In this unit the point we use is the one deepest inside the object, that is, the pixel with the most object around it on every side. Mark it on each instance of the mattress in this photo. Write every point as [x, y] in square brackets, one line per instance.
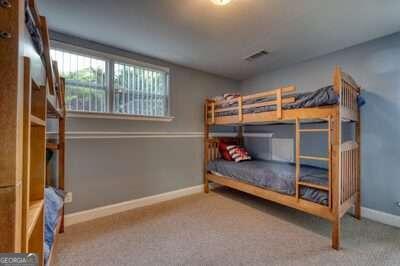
[276, 176]
[320, 97]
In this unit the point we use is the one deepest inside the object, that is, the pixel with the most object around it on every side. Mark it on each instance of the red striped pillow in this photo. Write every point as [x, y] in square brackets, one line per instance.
[222, 146]
[238, 154]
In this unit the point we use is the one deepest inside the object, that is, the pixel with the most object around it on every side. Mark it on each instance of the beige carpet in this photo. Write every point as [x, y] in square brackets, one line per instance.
[224, 227]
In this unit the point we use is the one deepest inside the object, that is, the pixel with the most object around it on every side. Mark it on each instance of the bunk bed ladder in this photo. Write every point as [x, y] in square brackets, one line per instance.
[299, 157]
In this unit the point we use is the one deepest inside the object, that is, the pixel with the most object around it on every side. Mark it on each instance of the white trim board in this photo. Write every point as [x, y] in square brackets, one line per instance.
[75, 114]
[84, 216]
[155, 134]
[126, 134]
[88, 215]
[381, 217]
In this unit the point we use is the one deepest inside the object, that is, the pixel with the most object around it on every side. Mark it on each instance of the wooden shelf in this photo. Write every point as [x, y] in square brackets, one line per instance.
[52, 146]
[37, 121]
[35, 209]
[52, 109]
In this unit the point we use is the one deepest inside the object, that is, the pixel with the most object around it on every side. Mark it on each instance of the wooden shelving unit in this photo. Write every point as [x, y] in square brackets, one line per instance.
[31, 91]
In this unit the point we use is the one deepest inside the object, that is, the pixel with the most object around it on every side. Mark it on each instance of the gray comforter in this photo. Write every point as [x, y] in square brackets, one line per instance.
[276, 176]
[321, 97]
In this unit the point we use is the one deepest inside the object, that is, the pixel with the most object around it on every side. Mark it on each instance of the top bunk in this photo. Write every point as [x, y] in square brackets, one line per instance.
[44, 70]
[284, 105]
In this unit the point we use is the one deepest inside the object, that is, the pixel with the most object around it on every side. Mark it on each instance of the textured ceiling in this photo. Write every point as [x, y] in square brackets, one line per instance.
[216, 39]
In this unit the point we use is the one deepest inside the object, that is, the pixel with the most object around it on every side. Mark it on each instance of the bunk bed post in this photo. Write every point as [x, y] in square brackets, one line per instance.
[212, 113]
[205, 160]
[240, 135]
[297, 156]
[330, 161]
[357, 203]
[240, 108]
[61, 151]
[335, 161]
[336, 186]
[26, 154]
[279, 103]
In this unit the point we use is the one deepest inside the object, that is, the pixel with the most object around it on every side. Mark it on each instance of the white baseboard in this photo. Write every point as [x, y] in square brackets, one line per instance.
[83, 216]
[381, 217]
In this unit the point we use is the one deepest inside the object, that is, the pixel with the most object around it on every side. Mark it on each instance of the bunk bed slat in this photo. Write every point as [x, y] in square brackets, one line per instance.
[315, 130]
[220, 110]
[314, 158]
[52, 146]
[212, 113]
[279, 103]
[240, 108]
[289, 89]
[266, 103]
[306, 184]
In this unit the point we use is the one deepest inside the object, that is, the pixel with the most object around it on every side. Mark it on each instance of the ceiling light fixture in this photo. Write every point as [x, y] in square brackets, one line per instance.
[221, 2]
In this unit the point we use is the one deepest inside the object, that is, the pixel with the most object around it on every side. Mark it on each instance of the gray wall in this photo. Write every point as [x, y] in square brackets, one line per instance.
[106, 171]
[376, 67]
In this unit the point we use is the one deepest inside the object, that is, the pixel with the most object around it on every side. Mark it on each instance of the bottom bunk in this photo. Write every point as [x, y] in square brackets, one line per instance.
[54, 203]
[284, 199]
[276, 176]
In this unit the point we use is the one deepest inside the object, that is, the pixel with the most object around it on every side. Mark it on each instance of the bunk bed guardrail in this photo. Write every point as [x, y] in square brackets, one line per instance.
[348, 90]
[276, 97]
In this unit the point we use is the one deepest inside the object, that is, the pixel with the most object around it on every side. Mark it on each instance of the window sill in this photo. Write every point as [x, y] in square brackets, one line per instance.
[72, 114]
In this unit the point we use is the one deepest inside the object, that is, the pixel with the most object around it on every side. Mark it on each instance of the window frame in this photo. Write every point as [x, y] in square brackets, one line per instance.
[110, 60]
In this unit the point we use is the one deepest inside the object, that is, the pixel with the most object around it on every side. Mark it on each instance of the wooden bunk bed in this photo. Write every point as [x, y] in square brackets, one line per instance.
[343, 160]
[35, 94]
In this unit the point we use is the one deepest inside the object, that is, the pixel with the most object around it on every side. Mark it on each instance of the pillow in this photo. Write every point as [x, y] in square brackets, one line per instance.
[230, 96]
[222, 147]
[238, 154]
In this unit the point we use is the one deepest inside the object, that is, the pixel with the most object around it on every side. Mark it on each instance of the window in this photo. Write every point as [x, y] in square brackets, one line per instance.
[97, 83]
[85, 81]
[139, 90]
